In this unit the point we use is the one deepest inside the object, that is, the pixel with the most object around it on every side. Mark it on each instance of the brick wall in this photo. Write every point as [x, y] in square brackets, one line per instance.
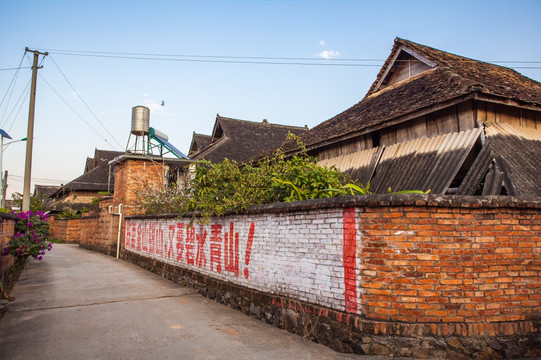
[68, 230]
[9, 266]
[434, 264]
[402, 275]
[290, 254]
[132, 174]
[100, 230]
[96, 230]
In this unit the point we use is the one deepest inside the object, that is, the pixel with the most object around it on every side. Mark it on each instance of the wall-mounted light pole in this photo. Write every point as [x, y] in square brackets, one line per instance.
[3, 135]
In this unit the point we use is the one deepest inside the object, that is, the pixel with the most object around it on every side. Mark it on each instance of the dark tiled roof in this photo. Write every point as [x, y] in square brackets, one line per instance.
[90, 164]
[96, 178]
[199, 142]
[453, 77]
[102, 157]
[241, 140]
[45, 190]
[93, 180]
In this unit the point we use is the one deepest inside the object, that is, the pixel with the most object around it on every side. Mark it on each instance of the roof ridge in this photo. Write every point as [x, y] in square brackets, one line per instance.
[443, 59]
[210, 146]
[422, 46]
[251, 122]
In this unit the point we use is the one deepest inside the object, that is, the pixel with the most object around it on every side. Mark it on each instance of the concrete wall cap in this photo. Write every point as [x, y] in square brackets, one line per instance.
[386, 200]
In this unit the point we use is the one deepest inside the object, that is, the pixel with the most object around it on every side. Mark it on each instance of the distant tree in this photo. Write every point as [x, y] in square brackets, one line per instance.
[37, 203]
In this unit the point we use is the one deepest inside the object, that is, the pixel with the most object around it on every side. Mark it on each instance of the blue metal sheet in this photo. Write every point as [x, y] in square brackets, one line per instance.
[169, 146]
[4, 134]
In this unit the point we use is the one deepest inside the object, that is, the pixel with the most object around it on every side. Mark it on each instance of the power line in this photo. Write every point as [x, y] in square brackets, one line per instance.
[34, 179]
[12, 87]
[39, 179]
[25, 93]
[88, 107]
[223, 61]
[72, 108]
[130, 54]
[17, 68]
[265, 60]
[22, 97]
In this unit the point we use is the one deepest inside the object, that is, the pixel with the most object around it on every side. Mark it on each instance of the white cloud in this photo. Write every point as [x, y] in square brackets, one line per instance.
[327, 54]
[156, 108]
[152, 104]
[322, 43]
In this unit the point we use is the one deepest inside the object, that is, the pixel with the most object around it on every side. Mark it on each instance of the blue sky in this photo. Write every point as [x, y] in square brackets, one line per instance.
[194, 92]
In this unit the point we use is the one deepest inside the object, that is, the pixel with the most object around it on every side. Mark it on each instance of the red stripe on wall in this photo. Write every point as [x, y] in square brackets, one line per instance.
[350, 250]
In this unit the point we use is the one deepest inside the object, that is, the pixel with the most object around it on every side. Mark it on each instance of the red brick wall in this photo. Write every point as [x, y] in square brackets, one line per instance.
[132, 174]
[452, 277]
[96, 230]
[466, 269]
[68, 230]
[100, 230]
[58, 227]
[7, 230]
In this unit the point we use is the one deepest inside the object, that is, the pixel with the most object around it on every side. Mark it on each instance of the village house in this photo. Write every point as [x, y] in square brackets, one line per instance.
[98, 177]
[437, 121]
[239, 140]
[199, 142]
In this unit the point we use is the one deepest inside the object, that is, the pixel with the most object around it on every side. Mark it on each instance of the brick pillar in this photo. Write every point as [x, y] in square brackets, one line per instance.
[130, 176]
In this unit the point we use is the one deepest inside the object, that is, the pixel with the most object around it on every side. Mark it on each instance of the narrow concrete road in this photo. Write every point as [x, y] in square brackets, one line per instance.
[77, 304]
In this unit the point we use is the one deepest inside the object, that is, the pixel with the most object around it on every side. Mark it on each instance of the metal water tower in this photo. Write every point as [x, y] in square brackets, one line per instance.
[140, 119]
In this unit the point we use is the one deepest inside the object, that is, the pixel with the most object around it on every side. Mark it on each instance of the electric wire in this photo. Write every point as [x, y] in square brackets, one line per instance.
[12, 87]
[65, 52]
[130, 54]
[17, 68]
[72, 108]
[84, 102]
[56, 181]
[263, 60]
[222, 61]
[21, 99]
[25, 93]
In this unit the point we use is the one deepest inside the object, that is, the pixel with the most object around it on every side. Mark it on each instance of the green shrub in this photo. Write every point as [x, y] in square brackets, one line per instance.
[214, 189]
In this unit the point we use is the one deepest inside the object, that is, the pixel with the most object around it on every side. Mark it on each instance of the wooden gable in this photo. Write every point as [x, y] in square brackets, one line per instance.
[199, 142]
[405, 64]
[218, 131]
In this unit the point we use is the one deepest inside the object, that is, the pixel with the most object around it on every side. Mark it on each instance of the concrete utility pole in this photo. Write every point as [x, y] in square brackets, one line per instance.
[4, 188]
[30, 133]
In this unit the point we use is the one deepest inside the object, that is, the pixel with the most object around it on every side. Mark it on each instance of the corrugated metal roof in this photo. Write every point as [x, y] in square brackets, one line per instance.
[360, 165]
[350, 161]
[510, 159]
[471, 182]
[420, 164]
[493, 128]
[451, 154]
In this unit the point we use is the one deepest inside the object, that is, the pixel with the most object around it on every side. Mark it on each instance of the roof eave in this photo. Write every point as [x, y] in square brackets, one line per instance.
[499, 99]
[390, 122]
